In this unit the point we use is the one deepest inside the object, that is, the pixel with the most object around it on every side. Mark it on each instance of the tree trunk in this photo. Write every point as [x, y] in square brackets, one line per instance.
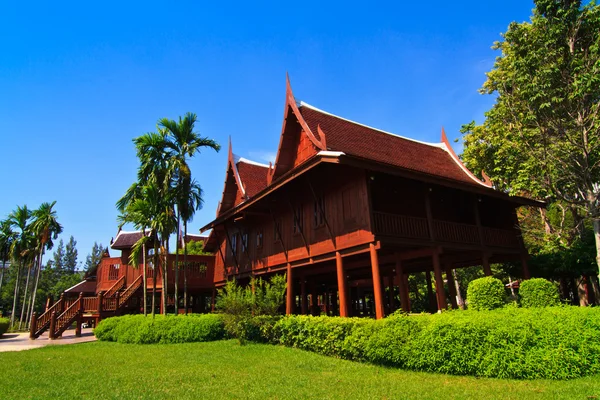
[544, 217]
[185, 287]
[15, 297]
[155, 256]
[582, 291]
[164, 268]
[177, 263]
[596, 223]
[24, 298]
[459, 298]
[144, 277]
[2, 274]
[37, 279]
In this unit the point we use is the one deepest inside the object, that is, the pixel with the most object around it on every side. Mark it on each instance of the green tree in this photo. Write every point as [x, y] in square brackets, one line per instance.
[542, 136]
[7, 236]
[70, 260]
[20, 251]
[58, 257]
[93, 259]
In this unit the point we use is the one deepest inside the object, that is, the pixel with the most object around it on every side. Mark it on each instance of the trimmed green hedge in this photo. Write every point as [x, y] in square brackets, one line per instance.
[486, 294]
[4, 324]
[550, 343]
[538, 292]
[161, 329]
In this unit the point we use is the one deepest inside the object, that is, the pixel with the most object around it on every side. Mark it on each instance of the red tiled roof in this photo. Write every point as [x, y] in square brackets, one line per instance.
[126, 240]
[253, 176]
[361, 141]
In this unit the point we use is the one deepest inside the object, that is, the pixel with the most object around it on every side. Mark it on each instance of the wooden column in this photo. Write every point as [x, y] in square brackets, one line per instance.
[378, 294]
[289, 304]
[430, 295]
[52, 328]
[451, 287]
[303, 297]
[439, 283]
[100, 301]
[486, 264]
[326, 302]
[525, 267]
[79, 320]
[33, 326]
[391, 292]
[403, 286]
[342, 286]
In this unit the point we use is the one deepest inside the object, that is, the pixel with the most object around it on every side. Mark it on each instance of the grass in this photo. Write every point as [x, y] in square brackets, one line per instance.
[226, 370]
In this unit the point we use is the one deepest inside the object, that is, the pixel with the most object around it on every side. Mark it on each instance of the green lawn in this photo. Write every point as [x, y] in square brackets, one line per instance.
[227, 370]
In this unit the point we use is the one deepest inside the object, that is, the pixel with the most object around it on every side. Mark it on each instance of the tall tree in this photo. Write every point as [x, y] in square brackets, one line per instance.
[93, 259]
[7, 236]
[21, 246]
[46, 228]
[184, 143]
[542, 136]
[70, 261]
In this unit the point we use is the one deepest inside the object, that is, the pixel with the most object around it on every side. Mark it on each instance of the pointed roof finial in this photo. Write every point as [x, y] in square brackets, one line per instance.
[444, 137]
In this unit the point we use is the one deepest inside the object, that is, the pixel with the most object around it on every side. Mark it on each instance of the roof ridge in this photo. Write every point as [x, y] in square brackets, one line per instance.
[437, 145]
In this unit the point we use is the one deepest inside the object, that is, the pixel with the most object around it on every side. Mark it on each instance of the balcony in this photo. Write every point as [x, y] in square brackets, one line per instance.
[449, 232]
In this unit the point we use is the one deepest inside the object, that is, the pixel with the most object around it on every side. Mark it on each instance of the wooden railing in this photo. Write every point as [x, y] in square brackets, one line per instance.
[400, 225]
[41, 323]
[59, 324]
[116, 287]
[109, 304]
[127, 293]
[501, 237]
[443, 231]
[90, 304]
[454, 232]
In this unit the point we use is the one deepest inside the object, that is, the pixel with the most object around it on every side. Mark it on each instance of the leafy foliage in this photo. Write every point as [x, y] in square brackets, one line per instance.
[140, 329]
[240, 304]
[538, 292]
[4, 324]
[533, 343]
[486, 294]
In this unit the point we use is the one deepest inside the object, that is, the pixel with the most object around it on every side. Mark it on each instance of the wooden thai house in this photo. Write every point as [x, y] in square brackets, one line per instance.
[115, 287]
[348, 212]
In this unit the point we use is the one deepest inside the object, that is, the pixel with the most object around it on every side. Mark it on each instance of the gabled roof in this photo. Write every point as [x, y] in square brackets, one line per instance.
[358, 140]
[86, 286]
[126, 240]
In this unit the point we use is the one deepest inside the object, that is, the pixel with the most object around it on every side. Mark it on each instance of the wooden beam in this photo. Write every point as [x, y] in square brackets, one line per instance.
[289, 304]
[341, 283]
[485, 259]
[378, 294]
[430, 295]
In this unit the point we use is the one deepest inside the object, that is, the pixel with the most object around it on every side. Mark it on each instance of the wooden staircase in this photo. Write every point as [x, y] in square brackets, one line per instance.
[61, 315]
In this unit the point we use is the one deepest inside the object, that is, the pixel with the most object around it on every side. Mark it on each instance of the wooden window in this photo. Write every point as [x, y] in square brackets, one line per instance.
[259, 239]
[234, 244]
[298, 222]
[276, 229]
[319, 212]
[113, 272]
[244, 242]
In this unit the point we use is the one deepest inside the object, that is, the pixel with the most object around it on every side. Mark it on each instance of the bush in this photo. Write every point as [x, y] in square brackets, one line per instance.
[551, 343]
[486, 294]
[4, 324]
[538, 292]
[161, 329]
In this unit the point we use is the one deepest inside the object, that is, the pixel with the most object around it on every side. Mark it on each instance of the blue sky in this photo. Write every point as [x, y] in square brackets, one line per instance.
[78, 81]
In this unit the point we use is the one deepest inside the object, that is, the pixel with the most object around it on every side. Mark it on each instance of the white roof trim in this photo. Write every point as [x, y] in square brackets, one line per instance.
[460, 164]
[197, 235]
[245, 160]
[331, 153]
[66, 290]
[237, 176]
[439, 145]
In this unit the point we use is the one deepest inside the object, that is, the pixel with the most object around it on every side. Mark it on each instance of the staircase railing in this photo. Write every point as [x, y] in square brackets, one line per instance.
[116, 287]
[127, 293]
[40, 324]
[59, 324]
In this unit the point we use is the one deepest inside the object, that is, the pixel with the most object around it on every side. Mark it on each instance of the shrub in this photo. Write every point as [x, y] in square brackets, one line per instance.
[538, 292]
[552, 343]
[4, 324]
[486, 294]
[161, 329]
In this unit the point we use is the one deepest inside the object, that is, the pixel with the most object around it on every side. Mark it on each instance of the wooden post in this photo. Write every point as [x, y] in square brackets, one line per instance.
[391, 292]
[314, 303]
[402, 286]
[49, 302]
[117, 300]
[430, 295]
[52, 325]
[376, 282]
[79, 320]
[439, 283]
[486, 264]
[303, 296]
[33, 326]
[342, 286]
[525, 267]
[61, 308]
[100, 300]
[289, 304]
[451, 287]
[326, 302]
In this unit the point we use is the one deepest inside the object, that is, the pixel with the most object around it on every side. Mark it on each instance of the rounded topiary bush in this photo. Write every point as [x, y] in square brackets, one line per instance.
[4, 324]
[538, 292]
[486, 294]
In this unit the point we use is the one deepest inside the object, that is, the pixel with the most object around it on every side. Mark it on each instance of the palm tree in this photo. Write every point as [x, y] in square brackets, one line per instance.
[7, 236]
[46, 228]
[184, 142]
[186, 210]
[20, 247]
